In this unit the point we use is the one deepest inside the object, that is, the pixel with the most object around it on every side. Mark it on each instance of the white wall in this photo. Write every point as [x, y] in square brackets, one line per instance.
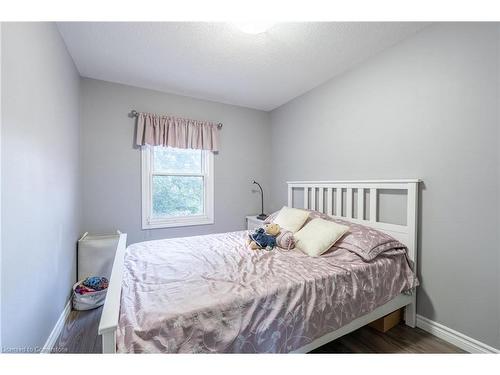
[111, 173]
[39, 178]
[426, 108]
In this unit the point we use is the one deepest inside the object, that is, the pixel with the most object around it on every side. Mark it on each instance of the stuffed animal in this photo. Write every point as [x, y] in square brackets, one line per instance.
[264, 237]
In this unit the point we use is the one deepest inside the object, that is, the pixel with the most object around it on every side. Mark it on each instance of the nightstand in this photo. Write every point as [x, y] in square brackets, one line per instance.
[253, 222]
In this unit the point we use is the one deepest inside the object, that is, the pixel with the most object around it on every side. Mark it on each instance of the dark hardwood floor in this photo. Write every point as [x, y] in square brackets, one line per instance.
[80, 336]
[400, 339]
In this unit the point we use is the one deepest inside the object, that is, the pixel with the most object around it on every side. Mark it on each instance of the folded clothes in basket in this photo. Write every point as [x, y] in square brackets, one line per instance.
[81, 289]
[91, 284]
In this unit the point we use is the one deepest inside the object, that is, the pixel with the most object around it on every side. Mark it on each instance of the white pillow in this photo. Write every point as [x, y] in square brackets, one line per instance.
[318, 236]
[291, 219]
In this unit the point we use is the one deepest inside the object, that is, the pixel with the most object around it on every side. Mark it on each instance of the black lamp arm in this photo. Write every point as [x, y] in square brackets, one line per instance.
[262, 215]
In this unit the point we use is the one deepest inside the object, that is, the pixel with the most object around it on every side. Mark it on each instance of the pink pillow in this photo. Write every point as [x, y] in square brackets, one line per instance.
[271, 217]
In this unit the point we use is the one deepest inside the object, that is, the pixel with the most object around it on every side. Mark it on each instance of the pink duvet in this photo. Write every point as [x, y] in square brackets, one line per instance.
[208, 294]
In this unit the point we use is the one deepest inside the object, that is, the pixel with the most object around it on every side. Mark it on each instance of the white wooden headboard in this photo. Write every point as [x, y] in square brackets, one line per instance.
[328, 197]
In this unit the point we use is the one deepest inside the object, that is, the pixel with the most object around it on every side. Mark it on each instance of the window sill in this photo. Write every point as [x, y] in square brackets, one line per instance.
[177, 222]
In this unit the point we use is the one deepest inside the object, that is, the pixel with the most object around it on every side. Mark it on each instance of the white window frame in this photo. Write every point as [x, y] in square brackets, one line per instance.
[148, 221]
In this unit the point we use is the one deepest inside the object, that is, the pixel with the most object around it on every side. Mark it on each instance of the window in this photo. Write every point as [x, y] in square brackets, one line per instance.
[177, 187]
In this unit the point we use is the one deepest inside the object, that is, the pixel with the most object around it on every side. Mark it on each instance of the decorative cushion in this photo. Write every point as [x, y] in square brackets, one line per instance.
[318, 236]
[285, 240]
[291, 219]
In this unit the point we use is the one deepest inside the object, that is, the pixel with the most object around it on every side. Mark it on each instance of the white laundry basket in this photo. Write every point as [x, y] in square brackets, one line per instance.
[96, 254]
[88, 301]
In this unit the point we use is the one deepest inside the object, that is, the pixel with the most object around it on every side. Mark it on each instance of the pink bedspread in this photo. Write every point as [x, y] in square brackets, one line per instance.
[212, 294]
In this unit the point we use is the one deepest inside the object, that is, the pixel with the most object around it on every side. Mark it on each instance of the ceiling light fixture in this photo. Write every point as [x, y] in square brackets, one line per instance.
[256, 27]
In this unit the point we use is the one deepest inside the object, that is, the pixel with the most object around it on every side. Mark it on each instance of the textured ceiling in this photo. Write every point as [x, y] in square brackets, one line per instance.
[216, 61]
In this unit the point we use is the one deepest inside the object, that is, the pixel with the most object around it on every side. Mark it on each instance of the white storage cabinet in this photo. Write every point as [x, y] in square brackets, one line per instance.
[96, 254]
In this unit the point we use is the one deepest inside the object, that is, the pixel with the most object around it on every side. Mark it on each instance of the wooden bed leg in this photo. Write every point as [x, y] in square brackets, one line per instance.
[411, 313]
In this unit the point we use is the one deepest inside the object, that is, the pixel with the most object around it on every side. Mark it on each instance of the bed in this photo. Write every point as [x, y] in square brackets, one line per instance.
[211, 294]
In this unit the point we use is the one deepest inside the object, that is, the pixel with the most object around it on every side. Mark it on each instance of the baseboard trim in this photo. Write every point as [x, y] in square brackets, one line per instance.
[56, 331]
[454, 337]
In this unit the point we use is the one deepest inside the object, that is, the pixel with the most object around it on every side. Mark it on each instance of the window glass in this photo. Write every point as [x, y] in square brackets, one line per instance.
[177, 196]
[177, 160]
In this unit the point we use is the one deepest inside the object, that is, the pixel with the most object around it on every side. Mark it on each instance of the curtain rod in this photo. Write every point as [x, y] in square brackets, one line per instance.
[133, 113]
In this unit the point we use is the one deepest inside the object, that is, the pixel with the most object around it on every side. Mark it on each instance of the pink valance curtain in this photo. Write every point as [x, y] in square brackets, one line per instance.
[168, 131]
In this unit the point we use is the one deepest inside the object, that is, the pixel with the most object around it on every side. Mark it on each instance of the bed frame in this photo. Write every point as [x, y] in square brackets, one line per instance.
[334, 198]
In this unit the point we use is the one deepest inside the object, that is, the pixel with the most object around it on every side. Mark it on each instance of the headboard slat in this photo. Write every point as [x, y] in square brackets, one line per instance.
[338, 202]
[321, 206]
[306, 197]
[361, 203]
[373, 205]
[349, 203]
[312, 206]
[329, 201]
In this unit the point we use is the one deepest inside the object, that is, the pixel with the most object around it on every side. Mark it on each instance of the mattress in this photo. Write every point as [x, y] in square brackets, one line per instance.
[211, 294]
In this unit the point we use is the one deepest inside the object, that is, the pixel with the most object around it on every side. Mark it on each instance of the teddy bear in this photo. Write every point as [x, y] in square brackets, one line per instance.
[264, 237]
